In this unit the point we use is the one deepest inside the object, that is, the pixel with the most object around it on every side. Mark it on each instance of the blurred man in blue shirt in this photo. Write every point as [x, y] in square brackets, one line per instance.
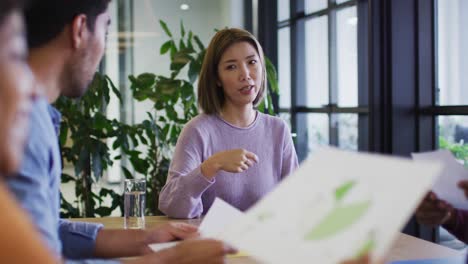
[67, 41]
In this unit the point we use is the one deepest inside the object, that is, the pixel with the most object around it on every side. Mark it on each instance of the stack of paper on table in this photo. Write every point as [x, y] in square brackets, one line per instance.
[446, 187]
[335, 206]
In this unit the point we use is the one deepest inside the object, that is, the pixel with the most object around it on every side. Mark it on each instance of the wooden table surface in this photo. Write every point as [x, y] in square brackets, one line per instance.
[405, 247]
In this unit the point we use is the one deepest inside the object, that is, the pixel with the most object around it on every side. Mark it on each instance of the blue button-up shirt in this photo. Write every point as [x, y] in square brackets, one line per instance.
[37, 188]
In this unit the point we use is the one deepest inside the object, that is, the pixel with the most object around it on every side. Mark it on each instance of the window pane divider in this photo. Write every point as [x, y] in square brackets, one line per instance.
[331, 110]
[445, 110]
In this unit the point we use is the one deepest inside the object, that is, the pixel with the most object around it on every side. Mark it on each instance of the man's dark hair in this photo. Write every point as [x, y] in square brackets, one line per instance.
[46, 19]
[8, 6]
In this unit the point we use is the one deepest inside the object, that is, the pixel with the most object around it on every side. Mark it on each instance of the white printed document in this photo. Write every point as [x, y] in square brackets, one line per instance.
[446, 186]
[219, 217]
[337, 205]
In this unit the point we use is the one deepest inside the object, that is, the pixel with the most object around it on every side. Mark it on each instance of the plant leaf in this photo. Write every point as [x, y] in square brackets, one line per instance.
[171, 113]
[114, 89]
[271, 75]
[182, 45]
[182, 29]
[165, 28]
[199, 43]
[165, 47]
[194, 70]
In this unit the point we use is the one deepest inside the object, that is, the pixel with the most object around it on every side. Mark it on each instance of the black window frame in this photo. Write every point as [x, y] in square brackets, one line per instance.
[296, 23]
[397, 79]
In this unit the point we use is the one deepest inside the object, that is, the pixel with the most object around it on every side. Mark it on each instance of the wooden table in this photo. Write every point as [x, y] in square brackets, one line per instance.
[405, 247]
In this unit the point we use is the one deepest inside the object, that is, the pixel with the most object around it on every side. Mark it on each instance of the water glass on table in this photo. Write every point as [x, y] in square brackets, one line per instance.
[134, 203]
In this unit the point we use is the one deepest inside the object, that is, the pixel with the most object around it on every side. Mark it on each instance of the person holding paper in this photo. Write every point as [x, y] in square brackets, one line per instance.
[231, 150]
[434, 212]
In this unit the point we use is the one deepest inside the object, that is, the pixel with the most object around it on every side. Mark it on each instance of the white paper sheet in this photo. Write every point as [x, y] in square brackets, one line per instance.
[446, 187]
[160, 246]
[219, 217]
[336, 205]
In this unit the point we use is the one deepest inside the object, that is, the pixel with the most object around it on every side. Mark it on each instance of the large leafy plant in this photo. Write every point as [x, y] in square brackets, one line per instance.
[83, 134]
[148, 145]
[174, 104]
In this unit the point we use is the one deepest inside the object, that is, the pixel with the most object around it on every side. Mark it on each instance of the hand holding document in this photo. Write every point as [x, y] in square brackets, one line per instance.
[336, 206]
[446, 186]
[220, 216]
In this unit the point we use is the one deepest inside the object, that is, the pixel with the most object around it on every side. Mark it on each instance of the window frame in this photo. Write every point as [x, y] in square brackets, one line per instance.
[396, 79]
[296, 23]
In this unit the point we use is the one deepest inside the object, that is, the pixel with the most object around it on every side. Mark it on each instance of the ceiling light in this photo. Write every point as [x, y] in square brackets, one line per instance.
[184, 7]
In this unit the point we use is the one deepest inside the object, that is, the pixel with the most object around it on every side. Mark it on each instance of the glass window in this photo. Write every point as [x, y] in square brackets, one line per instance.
[325, 42]
[452, 38]
[347, 131]
[315, 5]
[453, 135]
[317, 61]
[347, 68]
[286, 117]
[317, 131]
[283, 10]
[284, 67]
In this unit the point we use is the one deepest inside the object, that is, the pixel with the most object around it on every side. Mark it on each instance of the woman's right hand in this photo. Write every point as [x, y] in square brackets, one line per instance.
[235, 160]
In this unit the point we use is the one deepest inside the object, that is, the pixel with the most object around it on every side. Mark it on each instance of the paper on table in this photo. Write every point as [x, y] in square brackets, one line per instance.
[219, 217]
[446, 187]
[160, 246]
[335, 206]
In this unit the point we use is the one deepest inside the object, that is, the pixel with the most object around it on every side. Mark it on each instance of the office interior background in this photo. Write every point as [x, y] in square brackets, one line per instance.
[384, 76]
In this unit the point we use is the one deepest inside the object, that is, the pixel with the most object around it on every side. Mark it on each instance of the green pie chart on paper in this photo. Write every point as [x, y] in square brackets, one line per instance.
[342, 217]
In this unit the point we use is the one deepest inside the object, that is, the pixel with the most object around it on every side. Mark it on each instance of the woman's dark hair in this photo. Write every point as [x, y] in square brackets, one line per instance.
[8, 6]
[46, 19]
[210, 96]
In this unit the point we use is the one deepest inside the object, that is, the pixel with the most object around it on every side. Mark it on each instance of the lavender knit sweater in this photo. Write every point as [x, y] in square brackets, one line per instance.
[188, 194]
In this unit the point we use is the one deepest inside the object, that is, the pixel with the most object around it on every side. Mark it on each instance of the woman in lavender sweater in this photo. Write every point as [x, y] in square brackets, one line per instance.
[231, 151]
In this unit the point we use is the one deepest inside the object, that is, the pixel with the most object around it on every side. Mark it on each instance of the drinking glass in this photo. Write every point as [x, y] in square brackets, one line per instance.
[134, 203]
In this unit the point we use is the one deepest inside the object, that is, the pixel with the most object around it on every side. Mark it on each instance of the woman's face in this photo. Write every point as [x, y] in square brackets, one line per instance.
[16, 92]
[240, 74]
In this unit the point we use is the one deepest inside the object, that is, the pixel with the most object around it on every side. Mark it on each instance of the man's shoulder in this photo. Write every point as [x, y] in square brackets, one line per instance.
[42, 137]
[41, 119]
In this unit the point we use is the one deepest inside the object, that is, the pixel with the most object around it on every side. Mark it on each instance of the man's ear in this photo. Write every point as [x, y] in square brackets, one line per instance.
[79, 31]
